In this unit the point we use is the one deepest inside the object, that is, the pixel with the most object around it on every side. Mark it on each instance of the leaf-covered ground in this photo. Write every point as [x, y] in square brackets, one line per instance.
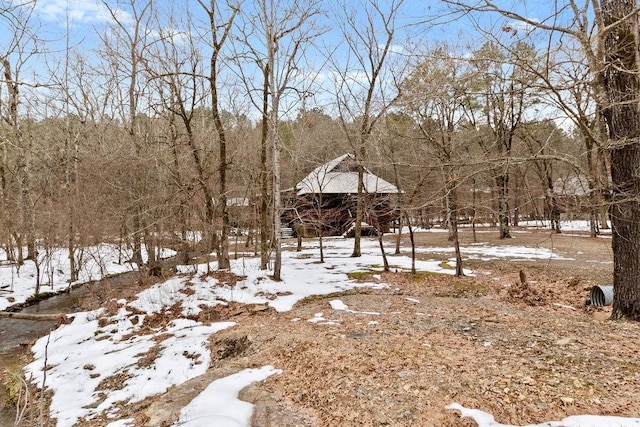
[525, 353]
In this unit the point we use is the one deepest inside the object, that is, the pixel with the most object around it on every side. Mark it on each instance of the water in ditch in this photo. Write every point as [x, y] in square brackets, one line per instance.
[17, 335]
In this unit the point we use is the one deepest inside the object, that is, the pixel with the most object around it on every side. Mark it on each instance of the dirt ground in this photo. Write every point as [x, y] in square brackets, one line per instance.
[527, 353]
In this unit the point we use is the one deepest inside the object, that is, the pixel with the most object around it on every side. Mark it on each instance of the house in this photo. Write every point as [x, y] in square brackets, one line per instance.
[324, 202]
[572, 196]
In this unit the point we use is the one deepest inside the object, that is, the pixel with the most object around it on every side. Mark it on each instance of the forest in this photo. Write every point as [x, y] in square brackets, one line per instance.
[158, 160]
[157, 120]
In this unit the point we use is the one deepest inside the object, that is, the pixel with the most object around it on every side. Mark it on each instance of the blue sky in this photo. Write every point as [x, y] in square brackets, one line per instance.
[80, 23]
[83, 20]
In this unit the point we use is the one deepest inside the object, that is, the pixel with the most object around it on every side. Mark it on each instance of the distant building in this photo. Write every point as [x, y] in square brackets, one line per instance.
[325, 201]
[572, 195]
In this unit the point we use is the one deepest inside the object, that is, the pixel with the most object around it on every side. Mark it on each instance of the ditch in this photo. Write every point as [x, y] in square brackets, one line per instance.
[17, 335]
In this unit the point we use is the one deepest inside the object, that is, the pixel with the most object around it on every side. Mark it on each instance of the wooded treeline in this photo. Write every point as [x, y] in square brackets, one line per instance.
[179, 114]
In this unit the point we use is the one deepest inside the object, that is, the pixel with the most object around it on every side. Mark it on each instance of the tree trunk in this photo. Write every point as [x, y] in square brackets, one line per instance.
[137, 237]
[456, 246]
[385, 261]
[603, 212]
[502, 184]
[552, 202]
[622, 85]
[359, 210]
[413, 243]
[223, 246]
[264, 175]
[475, 211]
[151, 246]
[593, 177]
[209, 236]
[23, 170]
[71, 177]
[218, 41]
[28, 214]
[452, 213]
[181, 211]
[516, 200]
[399, 236]
[8, 232]
[277, 203]
[448, 206]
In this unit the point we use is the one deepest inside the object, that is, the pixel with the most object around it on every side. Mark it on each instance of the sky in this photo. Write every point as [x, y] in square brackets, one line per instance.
[81, 354]
[80, 24]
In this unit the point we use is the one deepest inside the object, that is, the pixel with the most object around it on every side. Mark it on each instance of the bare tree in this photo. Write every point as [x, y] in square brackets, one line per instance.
[568, 74]
[176, 65]
[570, 84]
[365, 86]
[401, 149]
[125, 44]
[433, 95]
[607, 33]
[277, 43]
[220, 27]
[175, 70]
[71, 136]
[503, 95]
[20, 48]
[539, 139]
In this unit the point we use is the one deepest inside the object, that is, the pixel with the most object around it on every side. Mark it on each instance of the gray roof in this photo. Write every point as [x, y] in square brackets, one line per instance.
[330, 178]
[238, 201]
[571, 186]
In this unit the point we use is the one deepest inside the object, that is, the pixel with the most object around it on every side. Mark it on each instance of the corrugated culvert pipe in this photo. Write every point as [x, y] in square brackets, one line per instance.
[601, 295]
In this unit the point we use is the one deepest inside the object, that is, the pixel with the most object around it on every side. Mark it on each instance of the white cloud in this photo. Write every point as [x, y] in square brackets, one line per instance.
[77, 12]
[514, 27]
[394, 49]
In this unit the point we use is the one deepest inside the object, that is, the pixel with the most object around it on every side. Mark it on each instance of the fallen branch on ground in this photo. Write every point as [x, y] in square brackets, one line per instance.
[29, 316]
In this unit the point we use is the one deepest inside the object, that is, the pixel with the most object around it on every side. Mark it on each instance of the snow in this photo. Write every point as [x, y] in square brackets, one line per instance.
[218, 404]
[302, 276]
[111, 343]
[82, 354]
[565, 225]
[484, 419]
[486, 252]
[337, 304]
[319, 319]
[95, 262]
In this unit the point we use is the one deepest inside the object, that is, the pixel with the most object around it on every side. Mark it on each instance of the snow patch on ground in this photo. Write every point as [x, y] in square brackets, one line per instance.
[218, 404]
[484, 419]
[17, 283]
[81, 355]
[338, 305]
[484, 251]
